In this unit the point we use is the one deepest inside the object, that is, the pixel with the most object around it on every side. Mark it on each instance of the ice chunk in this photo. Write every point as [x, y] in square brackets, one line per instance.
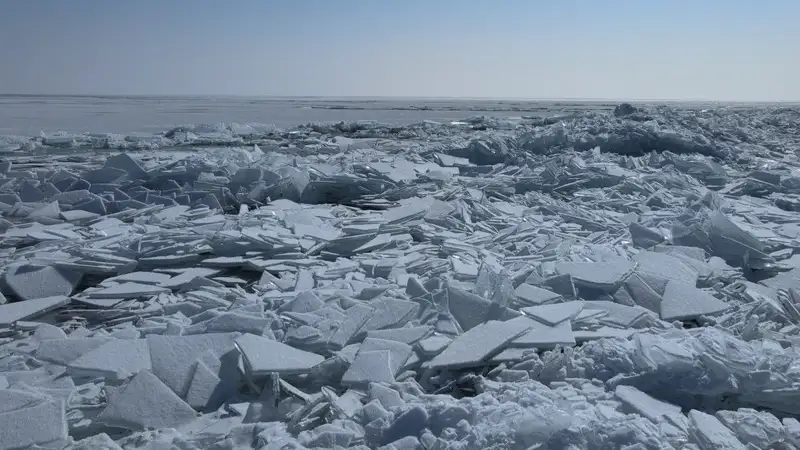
[400, 352]
[126, 163]
[602, 276]
[203, 386]
[666, 266]
[408, 424]
[406, 213]
[408, 335]
[146, 402]
[172, 358]
[389, 313]
[682, 301]
[64, 351]
[305, 301]
[263, 356]
[545, 336]
[433, 345]
[40, 424]
[554, 314]
[370, 366]
[468, 309]
[96, 442]
[753, 428]
[139, 278]
[645, 405]
[480, 343]
[13, 400]
[357, 316]
[29, 309]
[31, 282]
[527, 294]
[709, 433]
[128, 290]
[47, 214]
[116, 359]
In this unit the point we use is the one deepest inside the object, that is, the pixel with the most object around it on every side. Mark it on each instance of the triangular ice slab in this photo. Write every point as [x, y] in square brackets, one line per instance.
[554, 314]
[146, 402]
[173, 357]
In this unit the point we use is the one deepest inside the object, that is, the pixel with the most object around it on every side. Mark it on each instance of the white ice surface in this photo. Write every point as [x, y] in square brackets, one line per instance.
[601, 281]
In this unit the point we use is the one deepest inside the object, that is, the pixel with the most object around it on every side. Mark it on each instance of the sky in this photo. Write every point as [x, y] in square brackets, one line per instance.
[727, 50]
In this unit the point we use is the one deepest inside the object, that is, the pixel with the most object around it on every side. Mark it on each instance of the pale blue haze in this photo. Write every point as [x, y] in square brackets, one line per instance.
[739, 50]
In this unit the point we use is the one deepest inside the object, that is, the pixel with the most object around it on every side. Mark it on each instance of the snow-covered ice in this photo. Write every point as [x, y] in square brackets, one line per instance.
[620, 280]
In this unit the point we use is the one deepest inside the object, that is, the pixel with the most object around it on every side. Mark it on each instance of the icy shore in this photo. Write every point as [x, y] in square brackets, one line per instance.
[593, 281]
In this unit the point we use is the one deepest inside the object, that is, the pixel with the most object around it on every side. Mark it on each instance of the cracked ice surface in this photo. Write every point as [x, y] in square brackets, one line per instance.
[597, 281]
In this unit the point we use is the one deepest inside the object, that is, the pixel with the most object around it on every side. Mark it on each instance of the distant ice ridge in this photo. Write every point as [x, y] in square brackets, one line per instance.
[628, 131]
[197, 134]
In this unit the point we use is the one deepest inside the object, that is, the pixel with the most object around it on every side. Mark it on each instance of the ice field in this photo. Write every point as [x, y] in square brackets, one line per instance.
[284, 274]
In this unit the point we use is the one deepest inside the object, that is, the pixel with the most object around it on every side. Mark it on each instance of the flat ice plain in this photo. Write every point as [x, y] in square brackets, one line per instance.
[447, 275]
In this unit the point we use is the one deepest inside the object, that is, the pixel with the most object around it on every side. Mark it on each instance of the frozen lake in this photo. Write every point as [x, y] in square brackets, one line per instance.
[28, 114]
[624, 270]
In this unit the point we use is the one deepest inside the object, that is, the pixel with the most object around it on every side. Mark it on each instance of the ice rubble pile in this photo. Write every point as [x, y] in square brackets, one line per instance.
[495, 294]
[724, 131]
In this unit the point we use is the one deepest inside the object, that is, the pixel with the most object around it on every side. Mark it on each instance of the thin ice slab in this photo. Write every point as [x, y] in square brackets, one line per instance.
[64, 351]
[128, 290]
[263, 356]
[370, 367]
[527, 294]
[481, 343]
[172, 358]
[645, 405]
[544, 336]
[39, 424]
[683, 301]
[598, 275]
[139, 277]
[708, 432]
[116, 359]
[30, 309]
[31, 282]
[145, 402]
[554, 314]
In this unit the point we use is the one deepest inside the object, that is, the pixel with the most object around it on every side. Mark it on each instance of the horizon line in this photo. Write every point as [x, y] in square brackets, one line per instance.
[398, 97]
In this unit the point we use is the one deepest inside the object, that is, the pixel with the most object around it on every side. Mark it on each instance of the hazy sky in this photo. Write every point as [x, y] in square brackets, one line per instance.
[651, 49]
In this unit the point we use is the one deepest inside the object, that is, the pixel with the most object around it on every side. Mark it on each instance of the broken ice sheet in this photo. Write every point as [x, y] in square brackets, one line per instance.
[404, 261]
[172, 358]
[40, 423]
[116, 359]
[545, 336]
[604, 276]
[127, 290]
[554, 314]
[145, 402]
[527, 294]
[682, 301]
[31, 282]
[25, 310]
[481, 343]
[263, 356]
